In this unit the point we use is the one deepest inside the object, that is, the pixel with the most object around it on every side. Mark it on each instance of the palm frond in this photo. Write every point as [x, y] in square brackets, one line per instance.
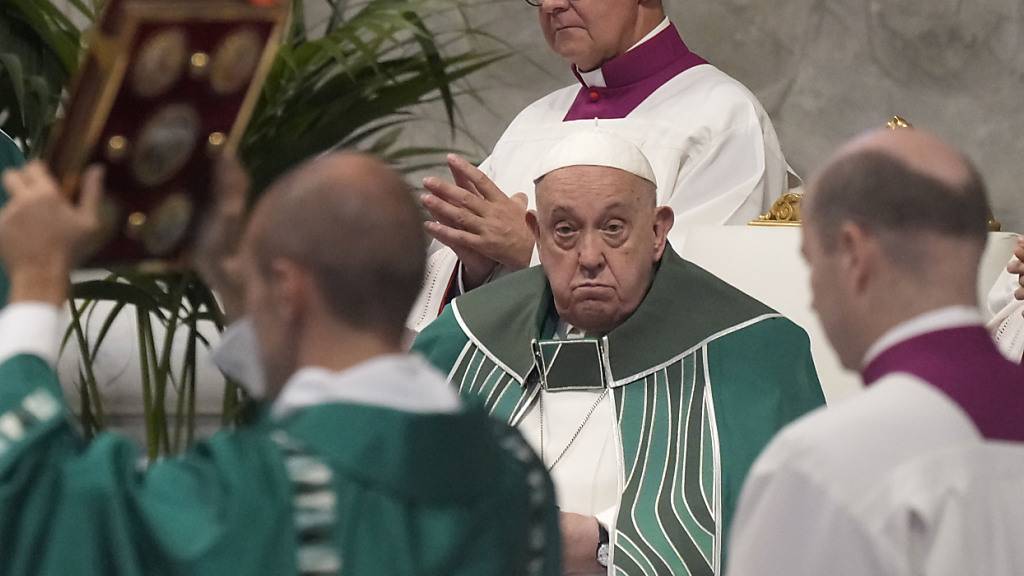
[360, 83]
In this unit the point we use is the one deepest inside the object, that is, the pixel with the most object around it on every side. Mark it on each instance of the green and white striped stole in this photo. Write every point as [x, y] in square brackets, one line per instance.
[667, 521]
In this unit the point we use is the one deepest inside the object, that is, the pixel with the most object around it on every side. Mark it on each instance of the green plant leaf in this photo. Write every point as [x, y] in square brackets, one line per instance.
[11, 64]
[435, 65]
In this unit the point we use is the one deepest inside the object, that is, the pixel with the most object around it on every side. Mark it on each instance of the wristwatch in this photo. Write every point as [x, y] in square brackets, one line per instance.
[602, 545]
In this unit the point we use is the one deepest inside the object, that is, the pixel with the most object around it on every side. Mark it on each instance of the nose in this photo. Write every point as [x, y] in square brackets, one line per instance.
[554, 6]
[591, 255]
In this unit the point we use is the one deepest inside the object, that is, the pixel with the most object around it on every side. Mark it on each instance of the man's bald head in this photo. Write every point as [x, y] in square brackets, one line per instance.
[894, 227]
[353, 224]
[896, 184]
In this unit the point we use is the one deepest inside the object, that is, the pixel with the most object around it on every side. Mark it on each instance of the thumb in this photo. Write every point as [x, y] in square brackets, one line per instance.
[92, 191]
[231, 183]
[521, 199]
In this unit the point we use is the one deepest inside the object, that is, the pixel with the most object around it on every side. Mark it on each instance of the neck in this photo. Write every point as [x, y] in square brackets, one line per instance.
[899, 310]
[337, 347]
[647, 20]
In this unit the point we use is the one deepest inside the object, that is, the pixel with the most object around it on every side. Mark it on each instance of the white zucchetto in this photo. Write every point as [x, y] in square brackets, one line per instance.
[597, 148]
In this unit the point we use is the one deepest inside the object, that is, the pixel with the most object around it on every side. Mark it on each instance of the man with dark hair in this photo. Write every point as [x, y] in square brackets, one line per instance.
[367, 462]
[920, 475]
[710, 142]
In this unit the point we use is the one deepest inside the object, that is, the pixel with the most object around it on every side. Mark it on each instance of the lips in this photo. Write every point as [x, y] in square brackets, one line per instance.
[559, 28]
[588, 291]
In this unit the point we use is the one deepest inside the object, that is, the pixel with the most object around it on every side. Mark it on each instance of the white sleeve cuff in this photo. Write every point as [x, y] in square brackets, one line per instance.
[606, 518]
[461, 286]
[1001, 293]
[30, 328]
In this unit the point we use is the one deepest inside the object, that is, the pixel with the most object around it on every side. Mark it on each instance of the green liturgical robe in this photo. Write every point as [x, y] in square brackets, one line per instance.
[10, 157]
[329, 489]
[700, 377]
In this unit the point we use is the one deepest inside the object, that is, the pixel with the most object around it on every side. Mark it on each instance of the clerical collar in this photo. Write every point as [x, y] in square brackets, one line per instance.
[627, 80]
[566, 331]
[595, 78]
[933, 321]
[951, 350]
[402, 382]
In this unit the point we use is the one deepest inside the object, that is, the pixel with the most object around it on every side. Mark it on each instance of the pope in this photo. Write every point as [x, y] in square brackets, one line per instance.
[646, 384]
[710, 143]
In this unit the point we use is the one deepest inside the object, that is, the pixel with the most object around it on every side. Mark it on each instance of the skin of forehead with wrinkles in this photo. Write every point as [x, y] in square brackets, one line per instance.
[919, 150]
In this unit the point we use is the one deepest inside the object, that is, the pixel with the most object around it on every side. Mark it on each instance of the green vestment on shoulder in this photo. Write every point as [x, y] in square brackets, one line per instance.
[10, 157]
[702, 377]
[333, 489]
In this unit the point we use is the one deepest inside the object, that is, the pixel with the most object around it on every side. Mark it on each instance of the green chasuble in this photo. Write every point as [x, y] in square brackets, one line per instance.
[332, 489]
[702, 377]
[10, 157]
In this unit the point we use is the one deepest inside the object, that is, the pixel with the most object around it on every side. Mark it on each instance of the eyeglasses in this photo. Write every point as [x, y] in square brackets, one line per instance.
[535, 3]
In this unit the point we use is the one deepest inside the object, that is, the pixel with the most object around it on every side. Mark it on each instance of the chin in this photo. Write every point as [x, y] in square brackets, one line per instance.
[593, 317]
[573, 52]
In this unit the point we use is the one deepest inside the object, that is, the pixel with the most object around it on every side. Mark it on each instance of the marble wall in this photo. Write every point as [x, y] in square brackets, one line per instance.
[824, 69]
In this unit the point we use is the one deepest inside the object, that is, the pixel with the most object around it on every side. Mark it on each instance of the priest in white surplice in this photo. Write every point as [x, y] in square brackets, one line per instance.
[711, 144]
[922, 474]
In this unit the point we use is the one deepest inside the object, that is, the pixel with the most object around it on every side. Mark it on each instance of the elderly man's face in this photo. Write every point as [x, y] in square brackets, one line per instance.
[589, 32]
[599, 234]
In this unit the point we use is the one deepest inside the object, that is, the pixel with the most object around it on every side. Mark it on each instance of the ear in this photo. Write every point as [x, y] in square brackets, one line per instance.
[290, 288]
[664, 219]
[857, 253]
[534, 224]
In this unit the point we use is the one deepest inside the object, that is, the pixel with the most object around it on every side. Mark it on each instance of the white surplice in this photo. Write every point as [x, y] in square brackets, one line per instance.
[713, 148]
[897, 481]
[1007, 323]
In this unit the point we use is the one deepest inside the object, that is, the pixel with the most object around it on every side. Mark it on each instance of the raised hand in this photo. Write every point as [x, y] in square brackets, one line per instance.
[217, 249]
[1017, 267]
[478, 221]
[43, 235]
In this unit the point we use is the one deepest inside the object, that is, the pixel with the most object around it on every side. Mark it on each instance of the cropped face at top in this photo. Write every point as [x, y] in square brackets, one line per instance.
[600, 235]
[588, 32]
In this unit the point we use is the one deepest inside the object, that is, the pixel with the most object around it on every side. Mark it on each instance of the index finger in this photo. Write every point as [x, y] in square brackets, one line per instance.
[458, 176]
[454, 195]
[231, 184]
[13, 181]
[483, 185]
[37, 178]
